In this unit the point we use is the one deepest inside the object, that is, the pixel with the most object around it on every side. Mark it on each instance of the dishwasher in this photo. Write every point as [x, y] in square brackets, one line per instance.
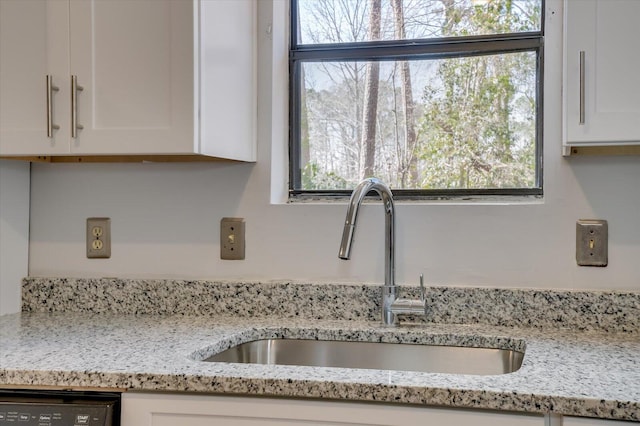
[59, 408]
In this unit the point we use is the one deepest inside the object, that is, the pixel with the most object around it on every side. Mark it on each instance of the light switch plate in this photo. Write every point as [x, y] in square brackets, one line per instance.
[232, 238]
[592, 242]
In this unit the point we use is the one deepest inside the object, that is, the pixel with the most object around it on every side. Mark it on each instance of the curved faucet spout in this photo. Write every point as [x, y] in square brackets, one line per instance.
[373, 184]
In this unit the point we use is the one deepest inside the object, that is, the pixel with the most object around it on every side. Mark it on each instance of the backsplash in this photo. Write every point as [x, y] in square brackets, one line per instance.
[536, 308]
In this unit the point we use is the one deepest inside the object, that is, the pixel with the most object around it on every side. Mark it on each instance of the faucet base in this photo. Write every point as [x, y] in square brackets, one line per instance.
[389, 296]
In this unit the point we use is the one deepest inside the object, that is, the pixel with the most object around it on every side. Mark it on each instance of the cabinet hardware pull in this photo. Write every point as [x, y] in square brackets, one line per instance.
[74, 106]
[50, 89]
[582, 82]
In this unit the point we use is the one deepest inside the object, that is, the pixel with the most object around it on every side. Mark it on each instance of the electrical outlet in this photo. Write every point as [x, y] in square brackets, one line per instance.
[232, 239]
[592, 242]
[98, 237]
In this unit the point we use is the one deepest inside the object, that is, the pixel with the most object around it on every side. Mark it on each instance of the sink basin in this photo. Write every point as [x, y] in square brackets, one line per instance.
[378, 356]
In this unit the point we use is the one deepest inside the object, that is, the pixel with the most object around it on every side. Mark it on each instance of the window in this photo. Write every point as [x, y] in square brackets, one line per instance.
[434, 97]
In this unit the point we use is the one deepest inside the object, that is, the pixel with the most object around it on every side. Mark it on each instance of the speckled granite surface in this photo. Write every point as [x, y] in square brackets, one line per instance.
[577, 310]
[584, 374]
[82, 333]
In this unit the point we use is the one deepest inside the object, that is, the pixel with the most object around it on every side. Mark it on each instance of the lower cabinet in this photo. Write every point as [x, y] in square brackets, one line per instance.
[146, 409]
[580, 421]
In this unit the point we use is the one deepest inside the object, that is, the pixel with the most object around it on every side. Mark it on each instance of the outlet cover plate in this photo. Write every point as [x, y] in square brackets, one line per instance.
[592, 242]
[98, 238]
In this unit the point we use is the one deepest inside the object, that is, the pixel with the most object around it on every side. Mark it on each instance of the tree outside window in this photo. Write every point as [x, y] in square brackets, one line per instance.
[427, 95]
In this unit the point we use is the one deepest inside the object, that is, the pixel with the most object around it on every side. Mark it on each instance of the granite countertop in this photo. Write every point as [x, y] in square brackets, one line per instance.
[592, 372]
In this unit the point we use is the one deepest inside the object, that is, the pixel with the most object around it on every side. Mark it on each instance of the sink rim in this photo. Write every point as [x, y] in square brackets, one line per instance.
[402, 336]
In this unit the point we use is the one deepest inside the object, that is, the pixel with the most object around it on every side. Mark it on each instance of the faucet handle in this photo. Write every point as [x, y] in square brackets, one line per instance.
[403, 306]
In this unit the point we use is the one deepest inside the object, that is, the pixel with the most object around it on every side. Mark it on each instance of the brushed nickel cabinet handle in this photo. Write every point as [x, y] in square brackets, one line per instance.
[74, 106]
[582, 83]
[50, 89]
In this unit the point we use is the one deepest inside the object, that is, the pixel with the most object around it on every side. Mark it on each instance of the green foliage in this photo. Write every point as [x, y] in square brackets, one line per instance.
[474, 117]
[479, 122]
[314, 178]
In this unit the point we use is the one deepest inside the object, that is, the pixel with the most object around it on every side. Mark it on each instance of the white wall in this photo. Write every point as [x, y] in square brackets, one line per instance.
[165, 217]
[14, 232]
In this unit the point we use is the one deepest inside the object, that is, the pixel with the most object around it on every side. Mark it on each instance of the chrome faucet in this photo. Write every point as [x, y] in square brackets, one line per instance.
[392, 306]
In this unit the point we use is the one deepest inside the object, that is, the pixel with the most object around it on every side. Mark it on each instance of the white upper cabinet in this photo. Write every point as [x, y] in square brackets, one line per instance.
[135, 63]
[136, 77]
[33, 45]
[601, 93]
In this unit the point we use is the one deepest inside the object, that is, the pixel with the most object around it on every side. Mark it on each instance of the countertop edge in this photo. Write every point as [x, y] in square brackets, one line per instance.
[313, 389]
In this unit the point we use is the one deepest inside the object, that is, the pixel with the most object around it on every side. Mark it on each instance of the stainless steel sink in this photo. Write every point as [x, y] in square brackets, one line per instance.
[378, 356]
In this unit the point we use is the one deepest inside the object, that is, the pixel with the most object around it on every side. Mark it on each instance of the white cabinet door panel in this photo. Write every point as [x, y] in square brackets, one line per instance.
[33, 44]
[196, 410]
[607, 32]
[135, 61]
[580, 421]
[228, 78]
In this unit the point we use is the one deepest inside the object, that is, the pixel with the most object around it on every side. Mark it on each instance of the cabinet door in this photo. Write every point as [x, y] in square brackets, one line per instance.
[134, 60]
[228, 78]
[191, 410]
[579, 421]
[33, 44]
[607, 33]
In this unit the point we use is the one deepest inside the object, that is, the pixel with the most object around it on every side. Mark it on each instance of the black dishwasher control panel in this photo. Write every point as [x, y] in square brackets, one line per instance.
[46, 411]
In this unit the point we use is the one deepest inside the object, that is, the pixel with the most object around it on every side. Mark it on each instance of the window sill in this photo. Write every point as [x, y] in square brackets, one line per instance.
[424, 200]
